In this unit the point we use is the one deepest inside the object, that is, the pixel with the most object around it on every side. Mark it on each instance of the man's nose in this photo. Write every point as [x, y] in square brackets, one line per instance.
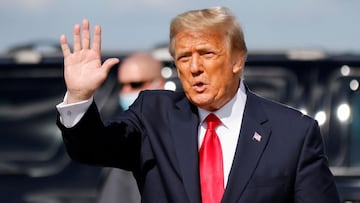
[126, 88]
[195, 64]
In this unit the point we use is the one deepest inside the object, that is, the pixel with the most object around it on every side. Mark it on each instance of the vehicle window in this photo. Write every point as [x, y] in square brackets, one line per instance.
[275, 83]
[30, 140]
[27, 117]
[343, 137]
[355, 131]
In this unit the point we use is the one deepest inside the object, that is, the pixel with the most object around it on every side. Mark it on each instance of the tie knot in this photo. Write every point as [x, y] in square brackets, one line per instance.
[212, 121]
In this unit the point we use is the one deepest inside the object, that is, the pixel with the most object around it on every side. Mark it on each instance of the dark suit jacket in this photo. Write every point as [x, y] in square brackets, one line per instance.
[157, 140]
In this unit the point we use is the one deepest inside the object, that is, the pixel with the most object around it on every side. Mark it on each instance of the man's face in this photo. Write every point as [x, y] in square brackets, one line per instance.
[209, 72]
[133, 78]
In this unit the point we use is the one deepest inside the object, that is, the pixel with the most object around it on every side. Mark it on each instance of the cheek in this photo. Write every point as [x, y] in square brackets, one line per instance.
[180, 73]
[184, 78]
[179, 68]
[223, 80]
[219, 71]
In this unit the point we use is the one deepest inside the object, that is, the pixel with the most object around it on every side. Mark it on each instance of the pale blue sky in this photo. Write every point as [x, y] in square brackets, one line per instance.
[330, 25]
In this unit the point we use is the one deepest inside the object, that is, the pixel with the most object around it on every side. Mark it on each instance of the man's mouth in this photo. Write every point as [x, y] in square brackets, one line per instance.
[199, 86]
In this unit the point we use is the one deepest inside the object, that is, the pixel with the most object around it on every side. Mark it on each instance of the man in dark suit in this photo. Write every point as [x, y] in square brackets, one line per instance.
[261, 151]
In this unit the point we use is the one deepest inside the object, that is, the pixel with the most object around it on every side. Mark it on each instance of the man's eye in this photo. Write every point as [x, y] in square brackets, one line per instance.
[183, 58]
[208, 54]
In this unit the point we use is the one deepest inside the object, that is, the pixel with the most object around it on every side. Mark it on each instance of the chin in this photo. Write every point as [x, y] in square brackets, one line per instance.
[203, 102]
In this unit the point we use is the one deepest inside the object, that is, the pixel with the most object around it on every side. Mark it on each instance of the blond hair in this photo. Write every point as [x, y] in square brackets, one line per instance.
[219, 19]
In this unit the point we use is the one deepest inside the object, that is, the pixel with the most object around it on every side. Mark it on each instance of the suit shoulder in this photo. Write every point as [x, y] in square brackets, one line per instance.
[161, 96]
[282, 111]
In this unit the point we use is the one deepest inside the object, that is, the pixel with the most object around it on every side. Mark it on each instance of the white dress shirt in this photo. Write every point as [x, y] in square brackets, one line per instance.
[70, 114]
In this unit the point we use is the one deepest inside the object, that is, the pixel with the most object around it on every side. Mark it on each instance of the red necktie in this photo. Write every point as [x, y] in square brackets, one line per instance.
[211, 164]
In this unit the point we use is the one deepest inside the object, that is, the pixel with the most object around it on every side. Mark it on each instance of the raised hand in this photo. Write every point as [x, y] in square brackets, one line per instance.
[83, 70]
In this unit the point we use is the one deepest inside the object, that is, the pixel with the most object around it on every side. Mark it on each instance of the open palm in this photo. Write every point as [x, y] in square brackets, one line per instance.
[84, 71]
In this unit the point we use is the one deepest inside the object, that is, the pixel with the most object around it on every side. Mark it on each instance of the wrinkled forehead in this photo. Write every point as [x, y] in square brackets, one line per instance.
[197, 39]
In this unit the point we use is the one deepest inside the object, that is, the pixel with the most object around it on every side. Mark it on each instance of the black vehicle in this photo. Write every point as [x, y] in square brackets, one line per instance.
[34, 167]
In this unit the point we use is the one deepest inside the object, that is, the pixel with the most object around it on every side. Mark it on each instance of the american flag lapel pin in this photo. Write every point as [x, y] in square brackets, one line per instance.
[256, 137]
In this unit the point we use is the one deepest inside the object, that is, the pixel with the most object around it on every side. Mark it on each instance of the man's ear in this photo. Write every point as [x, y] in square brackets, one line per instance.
[238, 62]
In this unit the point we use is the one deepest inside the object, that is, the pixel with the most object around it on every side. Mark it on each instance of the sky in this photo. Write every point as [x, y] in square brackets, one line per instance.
[329, 25]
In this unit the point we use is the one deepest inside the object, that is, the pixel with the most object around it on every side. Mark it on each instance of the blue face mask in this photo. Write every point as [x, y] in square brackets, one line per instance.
[125, 100]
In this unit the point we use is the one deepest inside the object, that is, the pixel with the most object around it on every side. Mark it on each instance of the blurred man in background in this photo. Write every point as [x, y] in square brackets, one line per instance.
[139, 71]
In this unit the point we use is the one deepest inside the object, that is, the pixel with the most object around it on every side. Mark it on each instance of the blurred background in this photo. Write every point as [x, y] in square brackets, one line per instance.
[142, 24]
[305, 54]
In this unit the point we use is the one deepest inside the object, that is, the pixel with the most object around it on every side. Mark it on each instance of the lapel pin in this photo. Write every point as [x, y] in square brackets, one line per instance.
[256, 137]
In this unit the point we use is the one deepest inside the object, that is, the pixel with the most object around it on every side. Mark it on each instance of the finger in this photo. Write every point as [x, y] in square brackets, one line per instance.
[76, 38]
[109, 63]
[85, 37]
[64, 46]
[97, 39]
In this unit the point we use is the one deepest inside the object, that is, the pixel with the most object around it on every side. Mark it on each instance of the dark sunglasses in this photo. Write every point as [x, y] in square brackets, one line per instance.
[134, 85]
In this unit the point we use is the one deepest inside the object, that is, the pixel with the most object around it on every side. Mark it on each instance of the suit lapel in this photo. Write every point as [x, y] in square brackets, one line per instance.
[249, 148]
[185, 138]
[247, 155]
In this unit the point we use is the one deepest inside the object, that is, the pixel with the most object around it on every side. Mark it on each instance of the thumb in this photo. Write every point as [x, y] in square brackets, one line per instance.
[109, 63]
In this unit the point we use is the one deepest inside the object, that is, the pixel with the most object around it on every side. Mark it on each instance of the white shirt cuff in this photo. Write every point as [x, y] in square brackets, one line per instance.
[70, 114]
